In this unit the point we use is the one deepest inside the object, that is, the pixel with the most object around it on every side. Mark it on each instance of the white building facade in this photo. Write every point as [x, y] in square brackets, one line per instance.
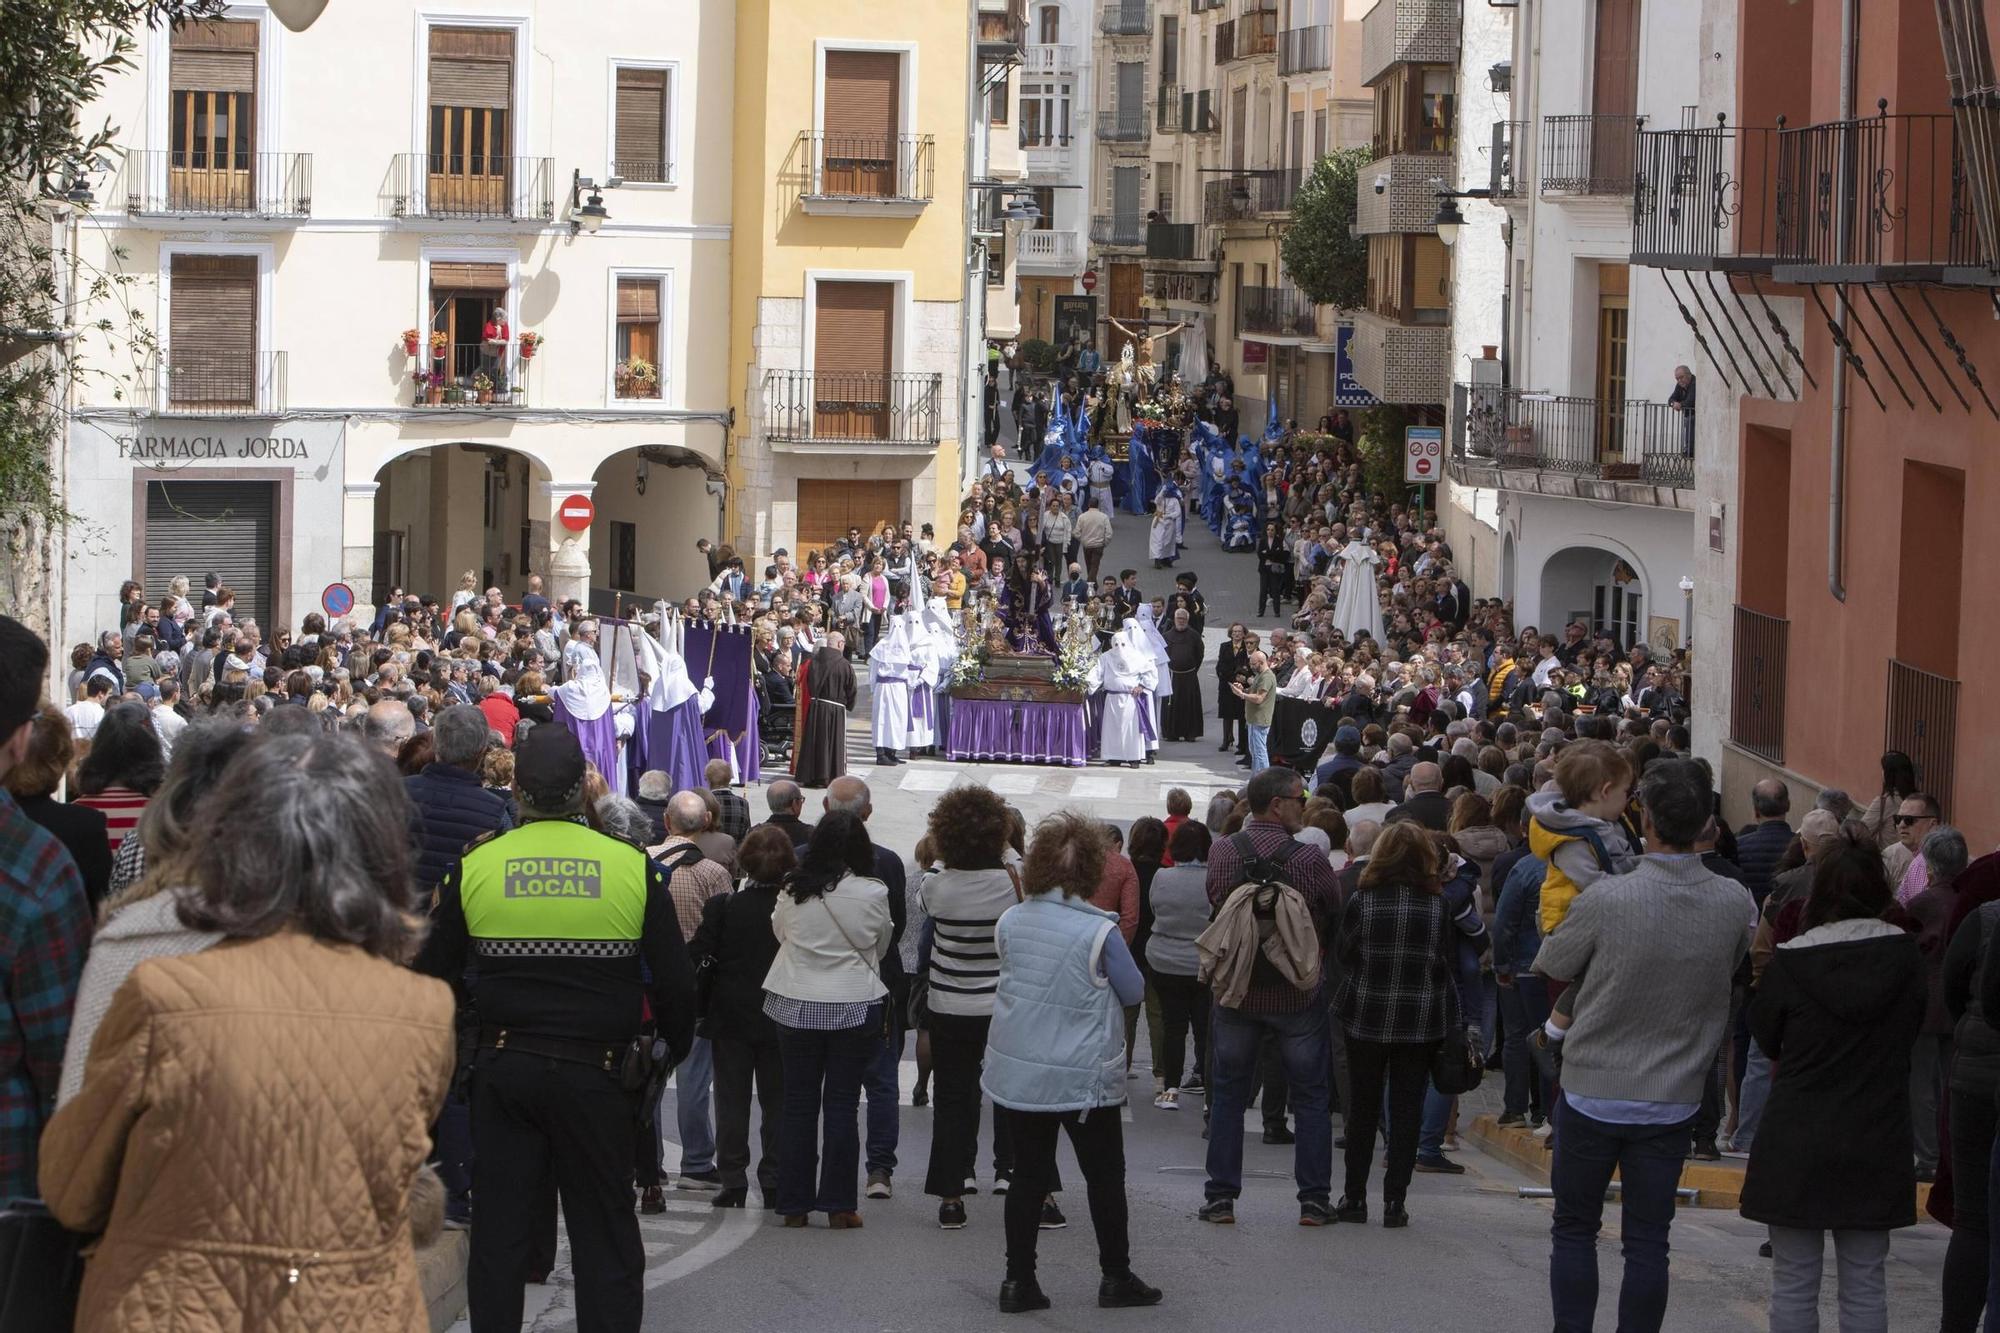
[1056, 146]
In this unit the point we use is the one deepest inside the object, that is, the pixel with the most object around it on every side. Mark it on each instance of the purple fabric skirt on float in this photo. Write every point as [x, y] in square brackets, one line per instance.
[599, 739]
[1028, 733]
[673, 745]
[749, 763]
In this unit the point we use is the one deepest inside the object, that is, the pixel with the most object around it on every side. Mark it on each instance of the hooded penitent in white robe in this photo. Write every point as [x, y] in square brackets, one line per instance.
[1163, 542]
[583, 704]
[1156, 644]
[1359, 606]
[893, 670]
[1124, 671]
[923, 682]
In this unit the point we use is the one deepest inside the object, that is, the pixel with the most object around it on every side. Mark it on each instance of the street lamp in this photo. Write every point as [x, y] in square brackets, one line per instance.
[1448, 219]
[298, 15]
[588, 214]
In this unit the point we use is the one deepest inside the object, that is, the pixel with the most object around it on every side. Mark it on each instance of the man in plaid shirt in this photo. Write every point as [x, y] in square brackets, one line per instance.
[1296, 1019]
[44, 931]
[735, 819]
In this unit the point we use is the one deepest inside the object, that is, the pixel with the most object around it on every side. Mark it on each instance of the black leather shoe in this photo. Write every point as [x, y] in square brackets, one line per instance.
[1349, 1210]
[731, 1198]
[1125, 1292]
[1395, 1215]
[1021, 1297]
[1279, 1134]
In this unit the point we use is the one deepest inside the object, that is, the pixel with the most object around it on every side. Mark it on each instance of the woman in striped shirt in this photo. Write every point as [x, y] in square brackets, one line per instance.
[122, 770]
[968, 833]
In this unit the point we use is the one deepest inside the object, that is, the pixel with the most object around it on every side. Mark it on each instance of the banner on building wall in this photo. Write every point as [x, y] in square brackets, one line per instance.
[1255, 353]
[1347, 391]
[1075, 323]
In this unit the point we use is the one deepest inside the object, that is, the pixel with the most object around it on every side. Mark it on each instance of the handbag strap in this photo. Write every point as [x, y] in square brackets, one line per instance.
[833, 917]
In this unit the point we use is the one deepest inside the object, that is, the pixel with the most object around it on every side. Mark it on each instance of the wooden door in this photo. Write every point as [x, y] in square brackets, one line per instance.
[213, 109]
[471, 93]
[827, 509]
[1614, 93]
[853, 350]
[860, 121]
[1613, 321]
[1128, 284]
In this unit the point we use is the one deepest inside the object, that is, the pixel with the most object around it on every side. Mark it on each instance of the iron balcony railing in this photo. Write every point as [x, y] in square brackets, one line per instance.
[1250, 195]
[1121, 124]
[863, 407]
[1757, 687]
[471, 187]
[1201, 112]
[195, 381]
[1167, 110]
[1302, 50]
[1872, 198]
[895, 168]
[1708, 197]
[1173, 240]
[1588, 154]
[1923, 724]
[1043, 138]
[218, 184]
[1107, 229]
[1127, 18]
[1280, 310]
[1509, 137]
[1254, 34]
[1630, 440]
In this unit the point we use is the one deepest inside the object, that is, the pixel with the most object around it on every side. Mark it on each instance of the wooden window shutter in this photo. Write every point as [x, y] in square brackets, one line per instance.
[469, 277]
[214, 305]
[215, 56]
[862, 97]
[472, 67]
[640, 135]
[854, 328]
[1431, 289]
[638, 298]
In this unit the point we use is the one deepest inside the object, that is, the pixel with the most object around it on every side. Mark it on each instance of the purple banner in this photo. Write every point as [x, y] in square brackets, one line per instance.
[723, 652]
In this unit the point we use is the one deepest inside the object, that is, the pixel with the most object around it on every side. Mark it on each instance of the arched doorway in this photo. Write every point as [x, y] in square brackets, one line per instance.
[653, 504]
[446, 509]
[1507, 558]
[1604, 589]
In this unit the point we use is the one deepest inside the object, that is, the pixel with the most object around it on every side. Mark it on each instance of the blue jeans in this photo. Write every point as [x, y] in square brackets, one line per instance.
[1437, 1114]
[822, 1087]
[1648, 1159]
[1232, 1053]
[1750, 1098]
[1525, 1007]
[882, 1080]
[692, 1082]
[1260, 754]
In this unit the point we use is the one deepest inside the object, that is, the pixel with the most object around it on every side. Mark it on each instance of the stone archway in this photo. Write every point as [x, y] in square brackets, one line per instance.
[441, 511]
[653, 503]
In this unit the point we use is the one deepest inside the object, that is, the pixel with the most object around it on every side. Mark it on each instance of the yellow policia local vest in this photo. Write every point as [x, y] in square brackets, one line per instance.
[554, 880]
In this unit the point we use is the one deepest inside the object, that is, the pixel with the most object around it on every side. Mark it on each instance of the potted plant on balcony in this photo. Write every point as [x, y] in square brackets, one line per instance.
[530, 344]
[440, 344]
[413, 342]
[430, 387]
[482, 387]
[454, 393]
[635, 377]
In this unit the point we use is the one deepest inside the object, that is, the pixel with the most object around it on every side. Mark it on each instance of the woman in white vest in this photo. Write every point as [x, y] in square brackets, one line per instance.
[825, 993]
[1055, 1054]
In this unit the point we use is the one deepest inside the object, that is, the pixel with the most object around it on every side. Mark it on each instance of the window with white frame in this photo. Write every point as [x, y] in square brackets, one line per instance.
[640, 340]
[642, 124]
[1044, 114]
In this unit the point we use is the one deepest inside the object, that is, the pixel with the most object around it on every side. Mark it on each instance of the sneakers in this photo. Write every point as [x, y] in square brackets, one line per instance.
[1511, 1120]
[878, 1185]
[1125, 1292]
[1193, 1086]
[1438, 1166]
[1706, 1150]
[1159, 1086]
[1546, 1128]
[651, 1201]
[1000, 1184]
[951, 1215]
[971, 1185]
[1313, 1213]
[710, 1179]
[1052, 1216]
[1351, 1210]
[1168, 1100]
[1222, 1212]
[1021, 1297]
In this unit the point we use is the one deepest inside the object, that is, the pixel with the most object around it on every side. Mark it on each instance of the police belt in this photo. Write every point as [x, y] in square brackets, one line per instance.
[605, 1056]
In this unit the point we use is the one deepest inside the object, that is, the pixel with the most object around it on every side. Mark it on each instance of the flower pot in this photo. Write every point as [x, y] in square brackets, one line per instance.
[486, 395]
[434, 394]
[411, 346]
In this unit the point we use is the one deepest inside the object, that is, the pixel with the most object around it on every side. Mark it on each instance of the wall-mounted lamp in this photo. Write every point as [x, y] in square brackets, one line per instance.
[1448, 218]
[588, 214]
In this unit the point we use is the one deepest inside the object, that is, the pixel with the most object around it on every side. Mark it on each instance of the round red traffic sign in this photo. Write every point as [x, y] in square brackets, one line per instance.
[1089, 280]
[337, 600]
[575, 512]
[1423, 466]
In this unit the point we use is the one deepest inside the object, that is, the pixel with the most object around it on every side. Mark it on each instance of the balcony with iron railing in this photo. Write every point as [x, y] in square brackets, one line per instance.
[1303, 50]
[198, 183]
[1881, 198]
[1048, 59]
[1608, 439]
[1108, 229]
[807, 408]
[1283, 311]
[1174, 240]
[1708, 198]
[1414, 32]
[1589, 155]
[1126, 18]
[1252, 35]
[1507, 180]
[470, 187]
[1120, 124]
[1251, 195]
[1051, 250]
[197, 382]
[862, 174]
[1201, 112]
[1922, 722]
[1757, 684]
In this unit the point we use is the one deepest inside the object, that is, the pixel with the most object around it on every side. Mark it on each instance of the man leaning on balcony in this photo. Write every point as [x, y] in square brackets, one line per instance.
[1681, 400]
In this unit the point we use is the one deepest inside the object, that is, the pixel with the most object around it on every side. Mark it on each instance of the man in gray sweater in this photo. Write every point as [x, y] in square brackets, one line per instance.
[1650, 954]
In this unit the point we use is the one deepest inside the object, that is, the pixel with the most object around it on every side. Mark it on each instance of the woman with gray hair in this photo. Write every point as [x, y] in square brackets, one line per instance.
[1936, 909]
[623, 818]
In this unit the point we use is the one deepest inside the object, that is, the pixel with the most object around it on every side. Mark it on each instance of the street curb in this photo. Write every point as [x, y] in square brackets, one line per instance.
[1716, 1184]
[441, 1271]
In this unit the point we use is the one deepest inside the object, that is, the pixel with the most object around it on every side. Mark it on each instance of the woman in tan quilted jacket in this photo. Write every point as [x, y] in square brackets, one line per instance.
[252, 1116]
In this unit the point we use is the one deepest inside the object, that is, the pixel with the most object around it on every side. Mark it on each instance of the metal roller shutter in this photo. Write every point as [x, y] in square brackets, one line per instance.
[215, 56]
[853, 347]
[471, 67]
[212, 331]
[224, 527]
[640, 137]
[859, 122]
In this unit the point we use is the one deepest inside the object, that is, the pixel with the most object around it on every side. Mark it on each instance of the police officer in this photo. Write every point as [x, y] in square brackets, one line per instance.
[560, 919]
